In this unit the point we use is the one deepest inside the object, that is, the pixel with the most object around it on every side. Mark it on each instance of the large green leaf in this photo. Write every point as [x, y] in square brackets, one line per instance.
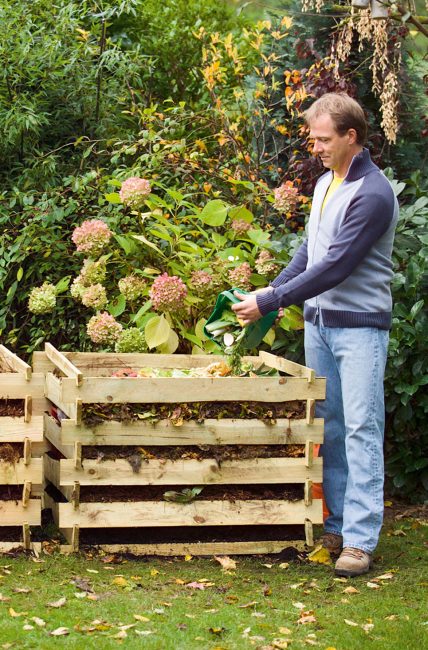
[148, 243]
[241, 212]
[117, 306]
[113, 197]
[157, 331]
[214, 213]
[171, 344]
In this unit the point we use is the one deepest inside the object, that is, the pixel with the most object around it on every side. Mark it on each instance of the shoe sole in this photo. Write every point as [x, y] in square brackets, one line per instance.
[344, 573]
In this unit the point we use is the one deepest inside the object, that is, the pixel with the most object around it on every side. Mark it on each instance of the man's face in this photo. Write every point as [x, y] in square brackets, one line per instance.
[335, 151]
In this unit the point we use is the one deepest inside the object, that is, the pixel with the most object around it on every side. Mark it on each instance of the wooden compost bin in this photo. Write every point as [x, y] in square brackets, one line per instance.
[76, 379]
[22, 447]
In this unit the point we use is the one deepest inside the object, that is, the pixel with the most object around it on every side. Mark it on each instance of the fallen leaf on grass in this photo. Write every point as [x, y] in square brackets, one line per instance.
[283, 565]
[83, 584]
[320, 555]
[367, 627]
[16, 614]
[399, 533]
[154, 572]
[143, 619]
[258, 615]
[60, 631]
[226, 562]
[284, 630]
[120, 581]
[393, 617]
[351, 623]
[58, 603]
[217, 630]
[28, 627]
[268, 566]
[280, 644]
[143, 632]
[306, 617]
[21, 590]
[196, 585]
[38, 621]
[4, 599]
[120, 635]
[92, 571]
[350, 590]
[252, 603]
[298, 605]
[384, 576]
[187, 558]
[373, 585]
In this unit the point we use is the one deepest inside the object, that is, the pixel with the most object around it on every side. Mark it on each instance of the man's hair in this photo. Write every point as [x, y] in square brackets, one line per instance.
[344, 111]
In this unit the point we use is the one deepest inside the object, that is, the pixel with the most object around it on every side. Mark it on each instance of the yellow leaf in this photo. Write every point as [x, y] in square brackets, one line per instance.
[320, 555]
[187, 558]
[16, 614]
[373, 585]
[284, 630]
[387, 504]
[154, 572]
[351, 623]
[226, 562]
[350, 590]
[120, 581]
[143, 619]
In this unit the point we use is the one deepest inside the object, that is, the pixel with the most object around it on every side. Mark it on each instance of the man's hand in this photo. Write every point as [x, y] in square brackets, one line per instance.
[246, 310]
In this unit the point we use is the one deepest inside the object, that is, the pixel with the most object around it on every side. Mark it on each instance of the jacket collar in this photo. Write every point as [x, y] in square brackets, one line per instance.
[360, 166]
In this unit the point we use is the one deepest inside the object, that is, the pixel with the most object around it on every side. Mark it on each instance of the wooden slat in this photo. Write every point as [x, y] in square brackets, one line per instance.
[308, 491]
[196, 548]
[53, 435]
[202, 513]
[309, 531]
[9, 547]
[15, 363]
[309, 453]
[27, 451]
[51, 469]
[54, 393]
[113, 390]
[16, 430]
[15, 386]
[310, 411]
[26, 494]
[13, 514]
[18, 473]
[63, 364]
[185, 472]
[290, 367]
[99, 362]
[28, 408]
[26, 536]
[210, 432]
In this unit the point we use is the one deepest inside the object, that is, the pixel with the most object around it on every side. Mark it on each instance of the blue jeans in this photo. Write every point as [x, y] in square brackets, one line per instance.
[353, 361]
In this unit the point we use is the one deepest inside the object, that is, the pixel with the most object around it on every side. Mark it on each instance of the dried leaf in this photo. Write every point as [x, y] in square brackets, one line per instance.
[384, 576]
[38, 621]
[143, 632]
[21, 590]
[60, 631]
[16, 614]
[58, 603]
[373, 585]
[4, 599]
[284, 630]
[226, 562]
[120, 581]
[320, 555]
[120, 635]
[306, 617]
[351, 623]
[28, 627]
[298, 605]
[283, 565]
[187, 558]
[196, 585]
[252, 603]
[350, 590]
[143, 619]
[83, 584]
[367, 627]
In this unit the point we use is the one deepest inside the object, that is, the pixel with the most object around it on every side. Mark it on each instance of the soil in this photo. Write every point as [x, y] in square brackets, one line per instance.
[10, 493]
[110, 494]
[11, 452]
[12, 407]
[190, 534]
[137, 455]
[268, 412]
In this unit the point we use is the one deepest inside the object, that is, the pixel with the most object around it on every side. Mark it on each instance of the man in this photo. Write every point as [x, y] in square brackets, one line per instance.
[343, 272]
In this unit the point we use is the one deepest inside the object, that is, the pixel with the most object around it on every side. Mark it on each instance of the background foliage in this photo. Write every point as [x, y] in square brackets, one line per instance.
[92, 93]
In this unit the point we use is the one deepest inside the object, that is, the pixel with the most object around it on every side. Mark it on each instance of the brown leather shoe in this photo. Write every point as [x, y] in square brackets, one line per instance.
[353, 562]
[332, 542]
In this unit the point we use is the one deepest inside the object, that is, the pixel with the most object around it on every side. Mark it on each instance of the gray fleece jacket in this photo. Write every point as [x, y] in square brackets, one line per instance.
[343, 269]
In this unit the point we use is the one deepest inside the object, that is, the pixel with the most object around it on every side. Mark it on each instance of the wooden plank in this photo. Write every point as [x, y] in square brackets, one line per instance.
[54, 393]
[99, 362]
[26, 494]
[185, 472]
[19, 473]
[9, 547]
[27, 451]
[62, 363]
[51, 468]
[309, 453]
[28, 408]
[310, 411]
[15, 386]
[12, 513]
[290, 367]
[308, 492]
[309, 532]
[53, 435]
[17, 430]
[77, 456]
[15, 363]
[210, 432]
[200, 513]
[26, 536]
[114, 390]
[196, 548]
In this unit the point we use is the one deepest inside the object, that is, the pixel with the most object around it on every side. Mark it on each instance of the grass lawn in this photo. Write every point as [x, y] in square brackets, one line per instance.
[190, 603]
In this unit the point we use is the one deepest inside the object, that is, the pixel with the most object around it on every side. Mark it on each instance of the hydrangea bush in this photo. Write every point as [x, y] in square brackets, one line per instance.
[153, 282]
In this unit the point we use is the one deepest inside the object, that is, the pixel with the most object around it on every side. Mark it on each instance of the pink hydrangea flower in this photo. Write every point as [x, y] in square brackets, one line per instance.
[286, 197]
[103, 328]
[203, 283]
[168, 293]
[240, 227]
[133, 191]
[94, 296]
[264, 264]
[240, 276]
[91, 237]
